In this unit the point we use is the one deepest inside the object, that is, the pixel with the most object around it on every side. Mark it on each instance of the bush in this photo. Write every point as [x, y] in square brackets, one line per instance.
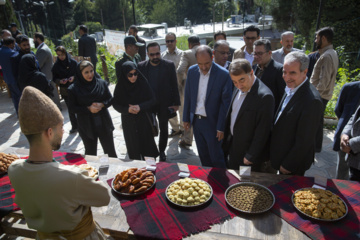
[110, 63]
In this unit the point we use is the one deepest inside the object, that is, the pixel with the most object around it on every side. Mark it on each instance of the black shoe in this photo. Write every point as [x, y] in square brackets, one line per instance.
[174, 133]
[162, 157]
[73, 130]
[183, 144]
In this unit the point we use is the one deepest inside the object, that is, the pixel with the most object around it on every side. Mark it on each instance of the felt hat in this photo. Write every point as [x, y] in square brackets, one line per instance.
[37, 112]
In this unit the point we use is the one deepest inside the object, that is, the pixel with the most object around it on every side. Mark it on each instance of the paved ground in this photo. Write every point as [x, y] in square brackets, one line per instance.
[10, 136]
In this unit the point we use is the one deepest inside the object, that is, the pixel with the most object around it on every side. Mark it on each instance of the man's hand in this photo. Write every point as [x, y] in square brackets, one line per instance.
[344, 143]
[186, 125]
[284, 171]
[175, 108]
[219, 135]
[247, 162]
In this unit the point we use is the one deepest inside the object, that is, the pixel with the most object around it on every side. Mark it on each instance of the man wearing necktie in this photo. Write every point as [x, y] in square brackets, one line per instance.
[292, 145]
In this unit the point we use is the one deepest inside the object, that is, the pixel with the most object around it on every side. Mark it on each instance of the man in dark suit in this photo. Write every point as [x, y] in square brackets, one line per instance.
[268, 70]
[348, 101]
[6, 52]
[161, 75]
[249, 119]
[133, 31]
[87, 45]
[292, 144]
[207, 97]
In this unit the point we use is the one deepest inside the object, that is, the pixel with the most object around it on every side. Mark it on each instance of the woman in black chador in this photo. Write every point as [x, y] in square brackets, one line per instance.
[133, 98]
[63, 72]
[89, 98]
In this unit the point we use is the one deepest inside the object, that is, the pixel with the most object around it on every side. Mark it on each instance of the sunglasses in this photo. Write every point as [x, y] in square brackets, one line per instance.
[154, 54]
[132, 74]
[170, 41]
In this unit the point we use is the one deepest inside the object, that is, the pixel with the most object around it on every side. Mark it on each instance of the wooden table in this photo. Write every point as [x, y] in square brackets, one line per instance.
[244, 226]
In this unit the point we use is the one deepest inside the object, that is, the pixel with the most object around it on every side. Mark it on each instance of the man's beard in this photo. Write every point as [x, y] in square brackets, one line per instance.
[36, 44]
[318, 45]
[155, 60]
[26, 51]
[288, 48]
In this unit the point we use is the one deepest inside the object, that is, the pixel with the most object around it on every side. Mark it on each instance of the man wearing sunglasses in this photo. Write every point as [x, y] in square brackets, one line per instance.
[161, 75]
[130, 54]
[174, 54]
[268, 70]
[251, 34]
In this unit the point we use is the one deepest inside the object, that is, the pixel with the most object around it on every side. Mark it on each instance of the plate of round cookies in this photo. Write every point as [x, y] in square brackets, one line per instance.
[189, 192]
[133, 182]
[6, 160]
[248, 197]
[319, 204]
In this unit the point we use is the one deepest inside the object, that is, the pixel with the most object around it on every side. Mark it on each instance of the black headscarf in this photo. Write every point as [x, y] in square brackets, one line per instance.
[131, 93]
[29, 75]
[94, 90]
[64, 69]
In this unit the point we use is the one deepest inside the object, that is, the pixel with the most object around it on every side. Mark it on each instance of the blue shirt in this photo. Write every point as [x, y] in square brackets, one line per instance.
[5, 54]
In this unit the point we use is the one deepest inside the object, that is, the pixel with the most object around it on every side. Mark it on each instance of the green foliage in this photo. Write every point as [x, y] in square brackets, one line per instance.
[68, 42]
[299, 41]
[182, 42]
[51, 45]
[164, 11]
[83, 11]
[110, 63]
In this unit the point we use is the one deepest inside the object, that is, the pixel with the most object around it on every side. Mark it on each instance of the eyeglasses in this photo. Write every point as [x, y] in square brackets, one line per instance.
[154, 54]
[170, 41]
[223, 53]
[130, 75]
[258, 53]
[251, 38]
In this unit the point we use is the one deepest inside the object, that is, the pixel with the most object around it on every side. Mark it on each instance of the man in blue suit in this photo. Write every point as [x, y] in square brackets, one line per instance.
[5, 53]
[208, 92]
[348, 102]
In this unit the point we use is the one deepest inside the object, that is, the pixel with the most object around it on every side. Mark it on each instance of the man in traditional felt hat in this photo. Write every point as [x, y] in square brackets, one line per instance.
[55, 198]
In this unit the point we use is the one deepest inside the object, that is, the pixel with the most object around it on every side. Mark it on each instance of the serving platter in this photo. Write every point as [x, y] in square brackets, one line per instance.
[316, 218]
[188, 206]
[132, 194]
[229, 190]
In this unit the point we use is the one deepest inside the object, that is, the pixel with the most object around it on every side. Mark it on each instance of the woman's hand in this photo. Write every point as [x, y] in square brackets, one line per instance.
[95, 107]
[71, 79]
[134, 109]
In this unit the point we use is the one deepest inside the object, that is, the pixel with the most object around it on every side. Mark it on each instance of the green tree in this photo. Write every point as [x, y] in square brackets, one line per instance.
[83, 11]
[164, 11]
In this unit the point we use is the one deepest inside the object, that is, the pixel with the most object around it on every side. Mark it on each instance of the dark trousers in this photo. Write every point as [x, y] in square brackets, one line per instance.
[106, 140]
[354, 174]
[72, 115]
[162, 115]
[209, 148]
[15, 95]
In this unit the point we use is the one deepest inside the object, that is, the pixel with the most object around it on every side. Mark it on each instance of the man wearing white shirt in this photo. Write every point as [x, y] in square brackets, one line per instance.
[172, 53]
[249, 119]
[207, 97]
[293, 139]
[251, 34]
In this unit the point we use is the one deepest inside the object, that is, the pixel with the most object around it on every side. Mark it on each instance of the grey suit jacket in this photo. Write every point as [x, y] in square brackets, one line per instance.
[352, 129]
[187, 60]
[45, 59]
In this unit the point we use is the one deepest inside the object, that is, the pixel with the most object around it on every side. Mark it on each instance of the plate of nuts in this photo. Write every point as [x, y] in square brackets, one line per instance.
[319, 204]
[133, 182]
[249, 197]
[189, 192]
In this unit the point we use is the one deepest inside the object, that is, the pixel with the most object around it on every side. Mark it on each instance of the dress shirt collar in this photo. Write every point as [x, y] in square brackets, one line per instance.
[130, 56]
[246, 52]
[41, 44]
[266, 65]
[292, 91]
[176, 51]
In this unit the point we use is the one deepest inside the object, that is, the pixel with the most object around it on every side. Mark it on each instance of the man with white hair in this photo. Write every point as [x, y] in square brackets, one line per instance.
[287, 42]
[297, 120]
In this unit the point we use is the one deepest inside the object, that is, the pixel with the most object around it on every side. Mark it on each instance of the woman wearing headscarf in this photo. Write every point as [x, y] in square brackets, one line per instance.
[89, 98]
[63, 72]
[29, 75]
[133, 98]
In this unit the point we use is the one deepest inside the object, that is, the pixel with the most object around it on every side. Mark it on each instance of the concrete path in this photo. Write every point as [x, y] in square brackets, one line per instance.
[10, 136]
